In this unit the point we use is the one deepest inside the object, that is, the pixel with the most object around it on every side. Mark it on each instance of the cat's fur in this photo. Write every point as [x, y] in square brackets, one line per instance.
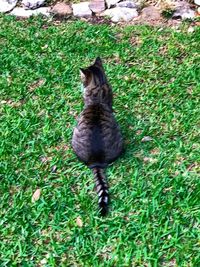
[97, 140]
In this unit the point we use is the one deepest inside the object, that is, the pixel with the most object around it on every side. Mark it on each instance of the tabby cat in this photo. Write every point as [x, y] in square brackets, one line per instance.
[97, 140]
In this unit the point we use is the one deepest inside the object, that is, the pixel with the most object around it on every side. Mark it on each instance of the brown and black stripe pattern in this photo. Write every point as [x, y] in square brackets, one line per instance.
[97, 140]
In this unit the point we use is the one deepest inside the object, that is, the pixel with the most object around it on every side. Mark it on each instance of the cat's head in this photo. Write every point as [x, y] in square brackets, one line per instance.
[95, 86]
[94, 74]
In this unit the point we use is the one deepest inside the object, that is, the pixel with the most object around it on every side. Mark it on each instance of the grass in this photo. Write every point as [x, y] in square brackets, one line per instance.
[155, 188]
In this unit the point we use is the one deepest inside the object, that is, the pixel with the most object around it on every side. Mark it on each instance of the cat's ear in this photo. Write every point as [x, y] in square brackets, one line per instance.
[98, 61]
[84, 74]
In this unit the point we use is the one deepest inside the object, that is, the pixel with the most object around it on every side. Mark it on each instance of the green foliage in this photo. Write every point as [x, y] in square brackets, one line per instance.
[167, 13]
[155, 211]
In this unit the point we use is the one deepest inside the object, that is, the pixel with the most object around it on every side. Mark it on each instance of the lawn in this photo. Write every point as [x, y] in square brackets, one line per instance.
[154, 216]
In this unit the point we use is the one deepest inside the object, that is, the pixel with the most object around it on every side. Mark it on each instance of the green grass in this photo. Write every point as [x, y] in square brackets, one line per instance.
[155, 188]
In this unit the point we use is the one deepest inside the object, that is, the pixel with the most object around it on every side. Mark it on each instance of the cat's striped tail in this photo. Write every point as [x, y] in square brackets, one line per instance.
[102, 189]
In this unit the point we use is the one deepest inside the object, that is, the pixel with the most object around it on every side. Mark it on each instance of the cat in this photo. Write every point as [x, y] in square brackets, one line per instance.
[97, 139]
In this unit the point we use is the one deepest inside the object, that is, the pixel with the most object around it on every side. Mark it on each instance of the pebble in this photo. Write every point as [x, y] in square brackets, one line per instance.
[147, 139]
[190, 29]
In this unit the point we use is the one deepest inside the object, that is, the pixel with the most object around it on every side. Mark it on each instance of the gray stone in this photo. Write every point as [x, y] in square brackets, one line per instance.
[181, 3]
[121, 14]
[61, 9]
[32, 4]
[97, 6]
[111, 3]
[7, 5]
[184, 12]
[81, 9]
[125, 3]
[129, 4]
[24, 13]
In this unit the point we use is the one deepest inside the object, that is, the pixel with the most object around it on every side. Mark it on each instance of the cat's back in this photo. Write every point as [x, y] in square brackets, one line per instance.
[94, 120]
[97, 137]
[89, 126]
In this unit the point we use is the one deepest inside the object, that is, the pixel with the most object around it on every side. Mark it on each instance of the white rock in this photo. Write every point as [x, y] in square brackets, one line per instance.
[181, 3]
[129, 4]
[111, 3]
[121, 14]
[197, 2]
[81, 9]
[184, 13]
[32, 4]
[20, 12]
[125, 3]
[7, 5]
[147, 139]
